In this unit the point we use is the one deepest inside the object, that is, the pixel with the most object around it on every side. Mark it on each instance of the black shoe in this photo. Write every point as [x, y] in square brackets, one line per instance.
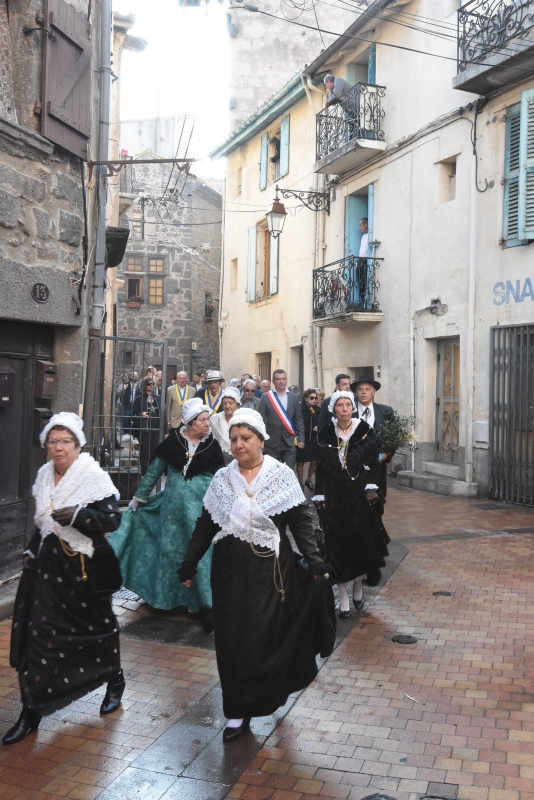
[193, 616]
[112, 699]
[231, 734]
[359, 604]
[344, 614]
[27, 722]
[310, 486]
[373, 577]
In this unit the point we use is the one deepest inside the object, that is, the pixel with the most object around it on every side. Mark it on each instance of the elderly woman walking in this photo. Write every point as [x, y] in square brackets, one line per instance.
[267, 607]
[350, 509]
[65, 640]
[155, 531]
[231, 400]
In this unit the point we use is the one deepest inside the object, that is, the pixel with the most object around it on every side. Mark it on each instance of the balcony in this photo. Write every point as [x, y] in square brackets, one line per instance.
[495, 44]
[350, 132]
[128, 186]
[346, 291]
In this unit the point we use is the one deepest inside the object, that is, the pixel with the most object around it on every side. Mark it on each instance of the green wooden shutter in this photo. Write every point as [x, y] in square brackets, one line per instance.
[251, 263]
[511, 177]
[264, 161]
[526, 166]
[284, 146]
[274, 251]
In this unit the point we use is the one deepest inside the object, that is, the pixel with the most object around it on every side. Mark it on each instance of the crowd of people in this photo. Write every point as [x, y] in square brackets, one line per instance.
[213, 541]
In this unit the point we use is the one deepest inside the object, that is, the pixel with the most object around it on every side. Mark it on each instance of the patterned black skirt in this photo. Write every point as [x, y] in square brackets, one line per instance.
[65, 640]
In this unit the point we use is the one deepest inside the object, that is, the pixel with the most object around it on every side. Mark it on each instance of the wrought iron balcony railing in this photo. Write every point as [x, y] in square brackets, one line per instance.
[487, 26]
[127, 179]
[345, 287]
[358, 116]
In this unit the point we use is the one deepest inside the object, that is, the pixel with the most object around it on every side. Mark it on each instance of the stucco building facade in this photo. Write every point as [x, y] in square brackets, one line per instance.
[435, 154]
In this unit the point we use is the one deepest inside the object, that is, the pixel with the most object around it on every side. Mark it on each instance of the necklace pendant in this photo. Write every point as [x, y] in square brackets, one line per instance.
[249, 493]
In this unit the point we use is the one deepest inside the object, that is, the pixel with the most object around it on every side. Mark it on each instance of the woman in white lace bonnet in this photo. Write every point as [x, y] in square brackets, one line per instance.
[65, 640]
[265, 605]
[219, 423]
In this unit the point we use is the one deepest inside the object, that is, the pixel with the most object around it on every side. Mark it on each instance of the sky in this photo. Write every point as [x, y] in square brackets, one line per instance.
[187, 62]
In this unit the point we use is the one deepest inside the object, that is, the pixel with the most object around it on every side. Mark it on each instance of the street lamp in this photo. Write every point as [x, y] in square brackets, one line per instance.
[276, 216]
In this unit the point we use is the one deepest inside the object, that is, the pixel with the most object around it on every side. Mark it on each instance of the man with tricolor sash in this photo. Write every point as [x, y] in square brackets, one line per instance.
[176, 397]
[282, 414]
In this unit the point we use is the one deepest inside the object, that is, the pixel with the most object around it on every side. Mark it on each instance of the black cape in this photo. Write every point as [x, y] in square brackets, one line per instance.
[208, 458]
[265, 647]
[355, 538]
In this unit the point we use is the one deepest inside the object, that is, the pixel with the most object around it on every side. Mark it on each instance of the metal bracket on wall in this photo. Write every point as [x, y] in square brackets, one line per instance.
[116, 165]
[315, 201]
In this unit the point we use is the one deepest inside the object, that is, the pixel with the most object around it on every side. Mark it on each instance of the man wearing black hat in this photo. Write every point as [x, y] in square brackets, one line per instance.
[374, 414]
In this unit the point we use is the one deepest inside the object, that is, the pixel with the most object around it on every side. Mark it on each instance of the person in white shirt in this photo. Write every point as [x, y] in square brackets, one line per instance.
[364, 244]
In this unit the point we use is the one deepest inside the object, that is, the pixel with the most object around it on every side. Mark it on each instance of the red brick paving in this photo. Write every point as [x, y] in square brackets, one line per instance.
[354, 731]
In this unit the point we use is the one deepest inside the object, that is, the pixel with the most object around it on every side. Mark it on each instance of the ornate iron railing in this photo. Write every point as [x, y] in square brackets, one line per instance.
[358, 116]
[345, 287]
[127, 178]
[487, 26]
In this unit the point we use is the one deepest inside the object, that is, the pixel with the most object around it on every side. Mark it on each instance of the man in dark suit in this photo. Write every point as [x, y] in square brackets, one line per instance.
[342, 385]
[282, 415]
[130, 391]
[374, 414]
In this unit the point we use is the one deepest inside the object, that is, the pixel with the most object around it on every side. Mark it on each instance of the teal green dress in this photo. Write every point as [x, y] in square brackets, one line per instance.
[151, 543]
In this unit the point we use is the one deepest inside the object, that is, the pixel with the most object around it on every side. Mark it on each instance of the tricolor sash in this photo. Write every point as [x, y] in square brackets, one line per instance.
[282, 414]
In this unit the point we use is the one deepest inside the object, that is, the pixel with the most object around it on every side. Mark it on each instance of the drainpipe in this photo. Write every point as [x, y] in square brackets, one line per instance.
[99, 271]
[470, 337]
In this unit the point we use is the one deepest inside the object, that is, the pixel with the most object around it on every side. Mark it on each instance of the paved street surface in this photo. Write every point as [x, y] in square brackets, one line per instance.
[450, 716]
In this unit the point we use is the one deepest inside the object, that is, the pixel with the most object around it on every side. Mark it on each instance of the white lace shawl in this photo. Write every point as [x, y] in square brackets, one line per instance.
[192, 449]
[243, 510]
[83, 483]
[221, 431]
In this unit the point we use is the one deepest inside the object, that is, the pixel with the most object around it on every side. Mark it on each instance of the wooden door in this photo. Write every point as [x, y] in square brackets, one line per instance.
[448, 401]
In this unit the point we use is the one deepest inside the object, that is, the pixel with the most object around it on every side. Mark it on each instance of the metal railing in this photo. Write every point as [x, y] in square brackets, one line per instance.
[128, 181]
[358, 116]
[345, 287]
[487, 26]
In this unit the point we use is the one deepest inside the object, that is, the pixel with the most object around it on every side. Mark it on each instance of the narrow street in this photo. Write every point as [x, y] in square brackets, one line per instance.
[449, 716]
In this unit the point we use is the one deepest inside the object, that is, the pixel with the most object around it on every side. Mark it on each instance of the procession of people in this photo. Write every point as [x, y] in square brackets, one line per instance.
[206, 531]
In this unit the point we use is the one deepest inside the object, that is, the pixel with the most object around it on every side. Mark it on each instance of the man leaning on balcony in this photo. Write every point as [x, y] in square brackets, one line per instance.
[338, 88]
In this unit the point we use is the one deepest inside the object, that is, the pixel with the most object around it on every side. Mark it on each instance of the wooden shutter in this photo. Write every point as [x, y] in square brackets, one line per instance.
[511, 177]
[274, 250]
[66, 102]
[251, 263]
[526, 166]
[284, 146]
[264, 161]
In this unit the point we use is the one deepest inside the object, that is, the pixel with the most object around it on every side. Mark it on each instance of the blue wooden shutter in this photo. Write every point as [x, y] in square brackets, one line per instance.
[264, 161]
[284, 146]
[371, 68]
[274, 251]
[355, 209]
[526, 166]
[251, 263]
[511, 177]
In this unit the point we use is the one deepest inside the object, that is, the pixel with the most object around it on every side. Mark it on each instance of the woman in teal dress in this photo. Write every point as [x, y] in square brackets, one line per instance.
[155, 531]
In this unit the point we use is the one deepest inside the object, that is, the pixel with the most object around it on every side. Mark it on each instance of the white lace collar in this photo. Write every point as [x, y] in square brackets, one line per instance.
[243, 510]
[221, 431]
[83, 483]
[345, 436]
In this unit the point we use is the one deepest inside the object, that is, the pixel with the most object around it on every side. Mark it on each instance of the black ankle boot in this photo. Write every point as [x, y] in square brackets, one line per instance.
[28, 721]
[112, 699]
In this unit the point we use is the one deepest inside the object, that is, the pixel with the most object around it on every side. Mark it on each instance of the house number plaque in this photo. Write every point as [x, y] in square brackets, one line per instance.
[40, 292]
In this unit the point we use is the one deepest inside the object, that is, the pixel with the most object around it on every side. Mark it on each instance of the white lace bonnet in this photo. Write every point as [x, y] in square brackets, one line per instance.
[192, 408]
[247, 416]
[338, 396]
[65, 419]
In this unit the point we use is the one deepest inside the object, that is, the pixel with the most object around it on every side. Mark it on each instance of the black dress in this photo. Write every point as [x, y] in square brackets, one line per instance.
[310, 417]
[265, 647]
[355, 538]
[65, 640]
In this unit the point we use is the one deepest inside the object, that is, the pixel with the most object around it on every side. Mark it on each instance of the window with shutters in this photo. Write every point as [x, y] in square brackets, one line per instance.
[518, 222]
[66, 87]
[263, 258]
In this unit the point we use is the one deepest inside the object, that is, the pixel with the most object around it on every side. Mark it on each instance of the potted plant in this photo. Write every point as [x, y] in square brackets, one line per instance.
[134, 301]
[209, 307]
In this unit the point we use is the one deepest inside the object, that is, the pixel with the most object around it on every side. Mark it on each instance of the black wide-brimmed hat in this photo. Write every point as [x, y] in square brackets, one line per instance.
[365, 379]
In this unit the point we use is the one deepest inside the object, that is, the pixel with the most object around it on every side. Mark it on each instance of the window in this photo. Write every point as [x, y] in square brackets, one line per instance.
[156, 264]
[155, 291]
[233, 275]
[518, 223]
[262, 268]
[264, 160]
[263, 366]
[447, 180]
[209, 305]
[138, 221]
[133, 288]
[134, 264]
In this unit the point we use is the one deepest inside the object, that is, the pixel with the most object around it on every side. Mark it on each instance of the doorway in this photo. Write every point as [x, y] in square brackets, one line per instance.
[448, 401]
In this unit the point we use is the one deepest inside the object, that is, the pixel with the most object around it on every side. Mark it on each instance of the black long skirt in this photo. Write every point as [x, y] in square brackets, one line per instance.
[265, 646]
[65, 640]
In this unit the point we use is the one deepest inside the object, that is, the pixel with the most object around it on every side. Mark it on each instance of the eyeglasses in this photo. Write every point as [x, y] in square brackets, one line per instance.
[149, 384]
[63, 442]
[312, 397]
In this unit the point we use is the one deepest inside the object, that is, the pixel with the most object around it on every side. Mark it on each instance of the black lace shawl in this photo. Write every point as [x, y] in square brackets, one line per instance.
[208, 458]
[363, 449]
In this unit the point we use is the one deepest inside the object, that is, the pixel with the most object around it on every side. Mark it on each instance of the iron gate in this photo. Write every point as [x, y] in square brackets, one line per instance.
[123, 438]
[512, 414]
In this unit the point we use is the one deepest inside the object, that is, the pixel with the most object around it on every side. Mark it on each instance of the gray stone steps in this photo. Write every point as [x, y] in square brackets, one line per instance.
[438, 484]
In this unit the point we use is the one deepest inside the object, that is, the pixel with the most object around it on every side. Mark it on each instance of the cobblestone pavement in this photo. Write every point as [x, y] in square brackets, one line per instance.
[451, 715]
